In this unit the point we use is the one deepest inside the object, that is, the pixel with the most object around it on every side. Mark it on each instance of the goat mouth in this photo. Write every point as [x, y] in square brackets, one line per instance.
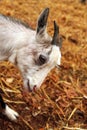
[29, 88]
[34, 88]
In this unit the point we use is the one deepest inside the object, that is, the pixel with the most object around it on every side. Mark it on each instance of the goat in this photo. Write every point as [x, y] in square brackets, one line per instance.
[34, 52]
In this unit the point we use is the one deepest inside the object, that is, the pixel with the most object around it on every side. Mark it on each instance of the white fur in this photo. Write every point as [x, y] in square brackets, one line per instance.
[11, 114]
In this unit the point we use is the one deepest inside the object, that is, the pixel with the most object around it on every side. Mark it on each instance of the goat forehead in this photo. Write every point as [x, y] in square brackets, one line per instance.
[38, 49]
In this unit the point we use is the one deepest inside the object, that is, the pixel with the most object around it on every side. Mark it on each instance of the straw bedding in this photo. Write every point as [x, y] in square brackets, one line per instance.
[61, 102]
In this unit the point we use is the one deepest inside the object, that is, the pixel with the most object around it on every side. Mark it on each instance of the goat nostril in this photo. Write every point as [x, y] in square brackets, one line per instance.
[28, 84]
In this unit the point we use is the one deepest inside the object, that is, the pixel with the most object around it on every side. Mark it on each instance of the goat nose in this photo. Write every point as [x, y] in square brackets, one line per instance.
[28, 84]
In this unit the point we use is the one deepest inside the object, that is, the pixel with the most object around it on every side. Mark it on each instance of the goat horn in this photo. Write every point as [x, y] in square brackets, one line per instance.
[56, 32]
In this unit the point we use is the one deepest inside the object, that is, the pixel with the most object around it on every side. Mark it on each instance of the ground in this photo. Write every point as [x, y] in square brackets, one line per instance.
[61, 102]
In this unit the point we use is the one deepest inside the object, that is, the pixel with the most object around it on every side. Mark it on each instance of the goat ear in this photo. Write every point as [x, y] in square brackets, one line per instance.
[42, 21]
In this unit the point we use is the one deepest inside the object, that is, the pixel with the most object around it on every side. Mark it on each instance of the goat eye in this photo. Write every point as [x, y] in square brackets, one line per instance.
[42, 59]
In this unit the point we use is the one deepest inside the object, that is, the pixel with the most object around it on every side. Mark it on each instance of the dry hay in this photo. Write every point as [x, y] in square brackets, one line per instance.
[61, 102]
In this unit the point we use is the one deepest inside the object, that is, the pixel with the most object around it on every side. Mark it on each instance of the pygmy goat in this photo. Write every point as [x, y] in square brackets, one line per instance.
[33, 51]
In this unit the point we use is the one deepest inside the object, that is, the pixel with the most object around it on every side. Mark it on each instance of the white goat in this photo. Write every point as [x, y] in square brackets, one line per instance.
[33, 51]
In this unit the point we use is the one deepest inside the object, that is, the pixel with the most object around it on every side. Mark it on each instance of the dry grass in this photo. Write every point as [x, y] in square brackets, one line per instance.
[61, 102]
